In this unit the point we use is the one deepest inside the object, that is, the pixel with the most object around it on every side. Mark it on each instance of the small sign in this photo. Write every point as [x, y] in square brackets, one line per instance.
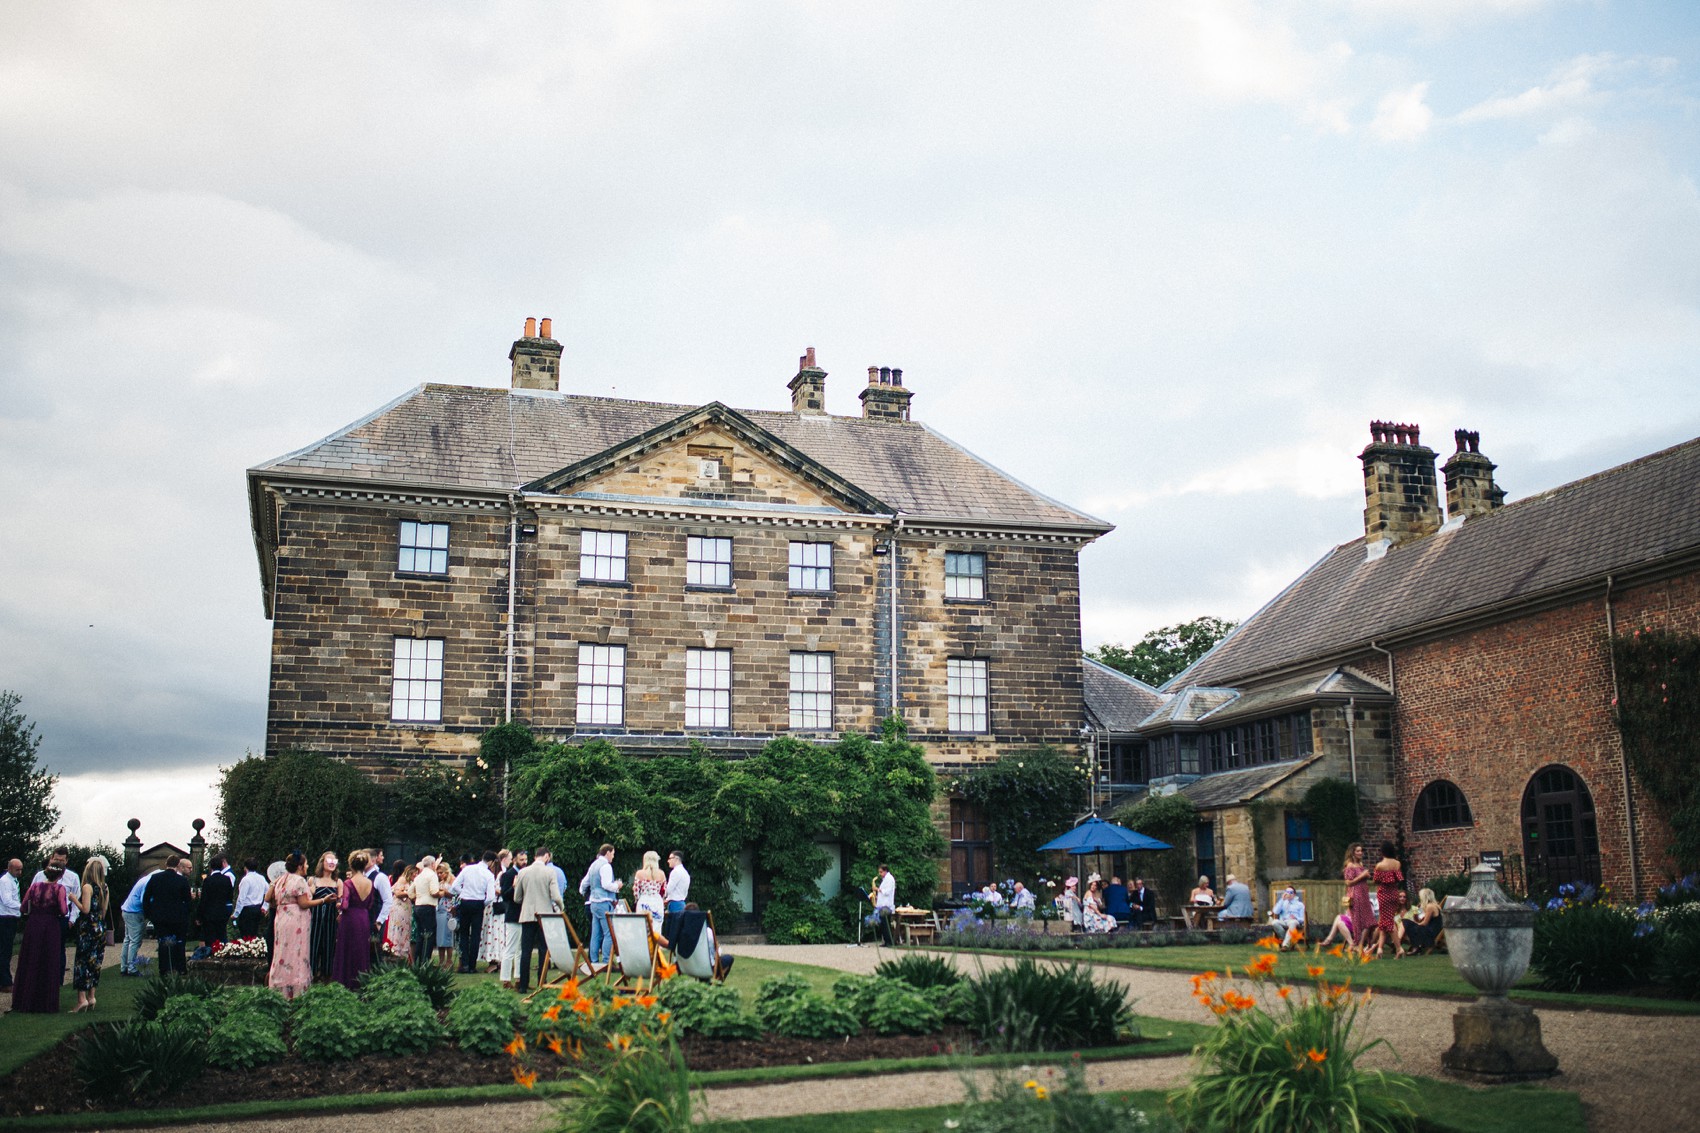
[1494, 858]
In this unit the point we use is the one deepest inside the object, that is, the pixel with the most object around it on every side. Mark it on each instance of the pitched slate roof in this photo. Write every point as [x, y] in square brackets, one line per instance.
[1336, 684]
[1232, 788]
[499, 439]
[1190, 705]
[1116, 701]
[1627, 518]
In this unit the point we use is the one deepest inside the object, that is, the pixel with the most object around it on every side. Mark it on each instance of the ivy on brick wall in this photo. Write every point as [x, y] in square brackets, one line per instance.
[1335, 822]
[1029, 797]
[297, 799]
[1172, 819]
[1658, 715]
[871, 795]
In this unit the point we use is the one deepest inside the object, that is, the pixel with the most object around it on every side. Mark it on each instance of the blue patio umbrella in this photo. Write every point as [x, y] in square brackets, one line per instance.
[1096, 836]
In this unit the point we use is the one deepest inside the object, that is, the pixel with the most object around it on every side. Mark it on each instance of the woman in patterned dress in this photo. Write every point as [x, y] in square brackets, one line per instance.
[399, 934]
[648, 885]
[322, 938]
[494, 942]
[292, 929]
[446, 919]
[1357, 876]
[91, 933]
[1389, 897]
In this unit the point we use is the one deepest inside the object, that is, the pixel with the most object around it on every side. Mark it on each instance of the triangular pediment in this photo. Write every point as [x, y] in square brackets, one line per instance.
[710, 453]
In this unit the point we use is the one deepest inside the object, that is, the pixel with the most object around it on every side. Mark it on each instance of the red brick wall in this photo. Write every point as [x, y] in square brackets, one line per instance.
[1489, 708]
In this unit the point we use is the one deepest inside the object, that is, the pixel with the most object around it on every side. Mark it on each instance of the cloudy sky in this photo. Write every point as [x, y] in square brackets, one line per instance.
[1163, 261]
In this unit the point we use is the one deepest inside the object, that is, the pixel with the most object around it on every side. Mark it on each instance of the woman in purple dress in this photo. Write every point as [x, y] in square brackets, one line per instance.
[354, 927]
[41, 959]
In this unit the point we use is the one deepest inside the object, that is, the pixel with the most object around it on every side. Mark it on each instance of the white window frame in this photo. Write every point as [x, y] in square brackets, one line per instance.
[708, 688]
[601, 685]
[416, 681]
[417, 543]
[968, 695]
[809, 568]
[811, 692]
[602, 556]
[708, 561]
[964, 586]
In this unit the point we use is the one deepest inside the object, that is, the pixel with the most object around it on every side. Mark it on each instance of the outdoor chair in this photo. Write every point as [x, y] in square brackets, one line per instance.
[923, 930]
[703, 963]
[633, 959]
[566, 954]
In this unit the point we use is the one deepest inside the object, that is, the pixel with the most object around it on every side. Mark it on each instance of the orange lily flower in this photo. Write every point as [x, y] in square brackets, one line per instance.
[1316, 1055]
[620, 1001]
[553, 1013]
[554, 1043]
[569, 990]
[1283, 992]
[1314, 971]
[526, 1078]
[517, 1046]
[646, 1001]
[585, 1007]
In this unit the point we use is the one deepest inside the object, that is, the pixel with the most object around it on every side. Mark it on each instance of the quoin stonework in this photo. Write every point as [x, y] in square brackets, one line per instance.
[660, 574]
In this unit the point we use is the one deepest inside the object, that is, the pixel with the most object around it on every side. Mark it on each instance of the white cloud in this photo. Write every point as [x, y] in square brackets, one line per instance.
[1402, 115]
[97, 807]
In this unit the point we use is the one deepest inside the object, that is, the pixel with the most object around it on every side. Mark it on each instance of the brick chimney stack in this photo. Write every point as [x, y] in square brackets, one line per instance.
[536, 358]
[1470, 488]
[885, 399]
[808, 388]
[1401, 496]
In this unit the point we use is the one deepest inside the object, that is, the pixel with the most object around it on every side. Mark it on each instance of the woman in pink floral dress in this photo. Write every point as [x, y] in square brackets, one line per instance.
[292, 934]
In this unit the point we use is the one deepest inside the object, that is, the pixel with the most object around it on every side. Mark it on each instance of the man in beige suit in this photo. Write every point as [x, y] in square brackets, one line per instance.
[538, 891]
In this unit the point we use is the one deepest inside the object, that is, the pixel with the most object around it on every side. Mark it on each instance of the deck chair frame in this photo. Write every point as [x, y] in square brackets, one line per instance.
[713, 955]
[619, 971]
[578, 955]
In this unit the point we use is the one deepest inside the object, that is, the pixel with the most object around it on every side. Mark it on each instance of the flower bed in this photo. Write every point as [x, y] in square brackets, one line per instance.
[232, 972]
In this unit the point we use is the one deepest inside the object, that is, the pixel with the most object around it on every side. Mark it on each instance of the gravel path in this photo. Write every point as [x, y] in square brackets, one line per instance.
[1634, 1072]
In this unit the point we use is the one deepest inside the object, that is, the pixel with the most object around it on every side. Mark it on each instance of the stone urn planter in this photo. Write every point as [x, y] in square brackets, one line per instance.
[1490, 938]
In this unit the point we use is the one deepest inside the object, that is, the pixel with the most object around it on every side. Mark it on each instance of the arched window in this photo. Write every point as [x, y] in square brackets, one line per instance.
[1561, 840]
[1440, 805]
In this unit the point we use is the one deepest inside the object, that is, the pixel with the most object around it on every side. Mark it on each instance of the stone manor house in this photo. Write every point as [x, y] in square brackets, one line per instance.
[1453, 661]
[660, 574]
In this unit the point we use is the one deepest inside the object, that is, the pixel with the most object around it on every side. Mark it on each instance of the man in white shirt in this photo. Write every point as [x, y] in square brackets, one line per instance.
[68, 881]
[386, 900]
[134, 925]
[475, 886]
[1023, 900]
[11, 912]
[599, 888]
[678, 883]
[250, 901]
[885, 905]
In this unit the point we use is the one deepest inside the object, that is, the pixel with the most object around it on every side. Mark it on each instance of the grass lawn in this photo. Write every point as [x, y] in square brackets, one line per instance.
[1424, 975]
[1445, 1106]
[22, 1037]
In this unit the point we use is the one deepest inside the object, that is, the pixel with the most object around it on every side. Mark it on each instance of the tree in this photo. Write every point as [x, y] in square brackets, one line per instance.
[301, 800]
[1163, 653]
[444, 808]
[1171, 819]
[27, 813]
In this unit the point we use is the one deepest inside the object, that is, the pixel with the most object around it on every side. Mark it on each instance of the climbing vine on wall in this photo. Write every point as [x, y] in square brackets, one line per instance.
[1172, 819]
[1029, 797]
[1658, 714]
[1335, 822]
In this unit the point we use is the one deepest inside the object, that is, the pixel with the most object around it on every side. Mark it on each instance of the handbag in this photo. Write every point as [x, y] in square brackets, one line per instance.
[109, 938]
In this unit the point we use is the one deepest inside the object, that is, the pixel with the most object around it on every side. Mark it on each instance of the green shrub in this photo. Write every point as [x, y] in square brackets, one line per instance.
[1449, 885]
[151, 996]
[1029, 1007]
[1043, 1104]
[405, 1027]
[646, 1089]
[194, 1011]
[712, 1010]
[438, 981]
[786, 1006]
[1676, 951]
[899, 1009]
[856, 994]
[920, 971]
[955, 1002]
[1274, 1064]
[263, 1000]
[138, 1061]
[484, 1018]
[1582, 947]
[245, 1039]
[389, 984]
[798, 923]
[330, 1024]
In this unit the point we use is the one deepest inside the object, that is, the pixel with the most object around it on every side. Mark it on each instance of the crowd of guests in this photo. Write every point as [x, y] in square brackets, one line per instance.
[318, 920]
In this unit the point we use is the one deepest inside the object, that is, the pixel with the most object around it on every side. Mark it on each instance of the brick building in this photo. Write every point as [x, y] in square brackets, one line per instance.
[680, 573]
[1453, 662]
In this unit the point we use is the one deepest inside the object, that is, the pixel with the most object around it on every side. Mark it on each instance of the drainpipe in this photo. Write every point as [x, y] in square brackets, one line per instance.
[1393, 723]
[1352, 734]
[891, 553]
[1622, 751]
[513, 565]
